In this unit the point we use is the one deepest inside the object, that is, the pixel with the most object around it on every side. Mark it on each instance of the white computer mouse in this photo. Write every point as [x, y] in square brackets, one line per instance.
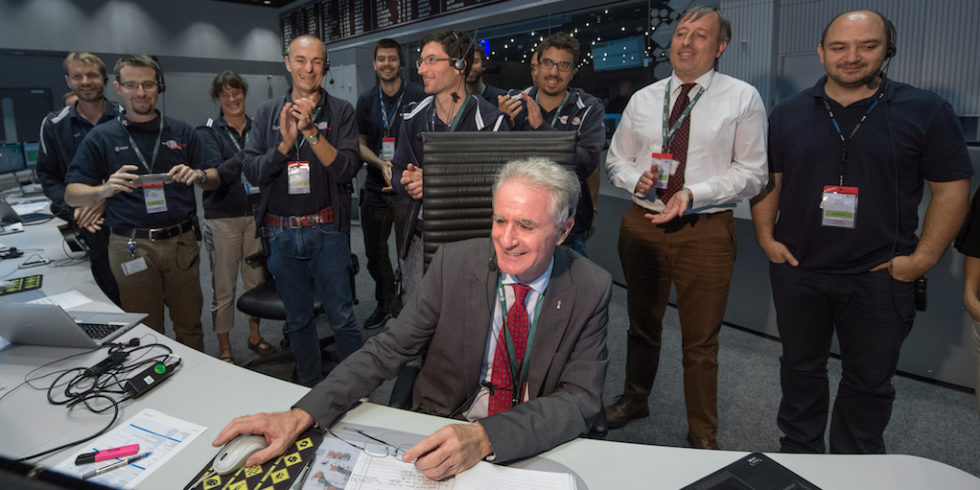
[236, 452]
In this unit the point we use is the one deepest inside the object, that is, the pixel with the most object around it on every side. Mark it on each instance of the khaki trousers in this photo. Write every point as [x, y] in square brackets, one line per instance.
[171, 279]
[229, 241]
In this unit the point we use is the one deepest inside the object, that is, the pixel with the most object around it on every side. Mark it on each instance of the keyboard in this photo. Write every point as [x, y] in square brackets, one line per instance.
[98, 331]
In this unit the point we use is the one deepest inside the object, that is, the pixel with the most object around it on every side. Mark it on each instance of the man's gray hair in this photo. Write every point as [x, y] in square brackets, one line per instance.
[696, 12]
[541, 173]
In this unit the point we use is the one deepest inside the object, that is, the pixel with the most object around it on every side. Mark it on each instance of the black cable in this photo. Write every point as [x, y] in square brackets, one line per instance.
[87, 385]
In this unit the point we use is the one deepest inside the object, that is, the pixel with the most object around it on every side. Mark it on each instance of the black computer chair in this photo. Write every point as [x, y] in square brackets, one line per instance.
[460, 169]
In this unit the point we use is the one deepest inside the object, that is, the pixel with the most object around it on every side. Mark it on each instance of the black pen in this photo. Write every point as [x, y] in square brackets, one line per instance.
[117, 464]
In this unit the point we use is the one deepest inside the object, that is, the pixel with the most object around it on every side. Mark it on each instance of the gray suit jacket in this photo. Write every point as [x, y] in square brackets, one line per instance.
[450, 311]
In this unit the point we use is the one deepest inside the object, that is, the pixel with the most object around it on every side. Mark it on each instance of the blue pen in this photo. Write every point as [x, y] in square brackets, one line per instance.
[117, 464]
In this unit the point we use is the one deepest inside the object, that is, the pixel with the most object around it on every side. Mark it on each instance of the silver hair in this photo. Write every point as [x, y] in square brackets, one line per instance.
[542, 173]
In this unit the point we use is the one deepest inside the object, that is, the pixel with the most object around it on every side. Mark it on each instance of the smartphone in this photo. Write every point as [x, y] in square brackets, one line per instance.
[514, 94]
[152, 179]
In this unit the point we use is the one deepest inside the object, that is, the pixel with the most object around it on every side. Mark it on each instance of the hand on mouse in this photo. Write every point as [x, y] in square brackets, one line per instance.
[280, 430]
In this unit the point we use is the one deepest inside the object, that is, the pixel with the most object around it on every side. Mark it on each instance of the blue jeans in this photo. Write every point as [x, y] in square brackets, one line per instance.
[314, 263]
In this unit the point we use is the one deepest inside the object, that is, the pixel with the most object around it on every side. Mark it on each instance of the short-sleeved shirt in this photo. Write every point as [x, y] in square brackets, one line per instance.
[911, 134]
[107, 148]
[371, 124]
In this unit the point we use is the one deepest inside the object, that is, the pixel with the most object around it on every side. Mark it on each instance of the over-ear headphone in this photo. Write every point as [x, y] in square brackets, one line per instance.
[460, 63]
[890, 35]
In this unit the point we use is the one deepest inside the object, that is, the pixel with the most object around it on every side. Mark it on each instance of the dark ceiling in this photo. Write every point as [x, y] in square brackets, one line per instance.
[261, 3]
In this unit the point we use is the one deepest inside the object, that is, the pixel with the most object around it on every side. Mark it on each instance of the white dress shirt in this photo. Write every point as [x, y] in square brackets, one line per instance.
[726, 153]
[481, 404]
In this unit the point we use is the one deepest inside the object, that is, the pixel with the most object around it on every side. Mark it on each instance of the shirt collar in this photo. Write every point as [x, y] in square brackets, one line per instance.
[539, 284]
[704, 81]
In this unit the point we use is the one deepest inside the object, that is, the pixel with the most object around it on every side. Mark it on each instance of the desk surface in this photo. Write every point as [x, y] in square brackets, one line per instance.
[209, 392]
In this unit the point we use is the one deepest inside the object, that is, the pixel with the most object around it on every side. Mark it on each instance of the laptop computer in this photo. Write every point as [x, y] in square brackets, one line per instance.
[47, 324]
[10, 221]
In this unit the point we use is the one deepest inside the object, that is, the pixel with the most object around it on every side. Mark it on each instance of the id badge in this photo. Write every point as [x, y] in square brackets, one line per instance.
[131, 267]
[839, 205]
[156, 200]
[249, 188]
[387, 149]
[299, 177]
[666, 166]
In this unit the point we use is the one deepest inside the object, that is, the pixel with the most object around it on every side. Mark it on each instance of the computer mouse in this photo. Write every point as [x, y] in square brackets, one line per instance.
[236, 452]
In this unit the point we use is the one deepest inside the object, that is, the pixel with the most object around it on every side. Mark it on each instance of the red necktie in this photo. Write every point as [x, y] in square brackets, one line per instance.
[500, 377]
[678, 142]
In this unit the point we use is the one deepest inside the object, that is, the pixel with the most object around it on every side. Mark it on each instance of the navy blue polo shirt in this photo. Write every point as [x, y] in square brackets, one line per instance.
[371, 125]
[107, 148]
[912, 135]
[225, 145]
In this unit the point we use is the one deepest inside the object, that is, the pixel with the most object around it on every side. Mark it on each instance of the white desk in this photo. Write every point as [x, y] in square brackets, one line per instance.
[209, 392]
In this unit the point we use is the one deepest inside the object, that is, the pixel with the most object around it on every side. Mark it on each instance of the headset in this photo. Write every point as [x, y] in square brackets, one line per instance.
[460, 63]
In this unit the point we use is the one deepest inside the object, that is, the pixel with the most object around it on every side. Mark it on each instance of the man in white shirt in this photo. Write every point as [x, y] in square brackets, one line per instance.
[681, 231]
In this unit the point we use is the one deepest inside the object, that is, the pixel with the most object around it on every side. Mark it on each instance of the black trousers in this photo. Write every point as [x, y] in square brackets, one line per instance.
[379, 211]
[99, 262]
[871, 313]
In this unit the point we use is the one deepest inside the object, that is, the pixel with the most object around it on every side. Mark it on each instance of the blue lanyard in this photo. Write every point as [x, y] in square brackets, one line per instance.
[517, 371]
[386, 118]
[845, 141]
[299, 136]
[668, 134]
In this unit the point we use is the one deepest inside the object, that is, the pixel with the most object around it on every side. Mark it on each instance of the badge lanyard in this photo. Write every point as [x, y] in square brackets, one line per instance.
[517, 371]
[139, 154]
[386, 118]
[558, 110]
[452, 126]
[300, 139]
[668, 134]
[238, 148]
[845, 141]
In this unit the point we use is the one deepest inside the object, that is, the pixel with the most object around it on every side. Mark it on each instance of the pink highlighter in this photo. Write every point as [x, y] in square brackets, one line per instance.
[116, 452]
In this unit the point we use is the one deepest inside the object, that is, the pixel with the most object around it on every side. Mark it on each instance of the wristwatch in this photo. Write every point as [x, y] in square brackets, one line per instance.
[313, 138]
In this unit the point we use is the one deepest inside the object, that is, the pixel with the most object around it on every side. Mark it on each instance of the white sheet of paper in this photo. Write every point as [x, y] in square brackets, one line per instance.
[66, 300]
[154, 431]
[374, 473]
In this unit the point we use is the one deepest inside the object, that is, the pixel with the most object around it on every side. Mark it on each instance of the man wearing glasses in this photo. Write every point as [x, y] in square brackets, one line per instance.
[444, 64]
[551, 105]
[141, 167]
[516, 346]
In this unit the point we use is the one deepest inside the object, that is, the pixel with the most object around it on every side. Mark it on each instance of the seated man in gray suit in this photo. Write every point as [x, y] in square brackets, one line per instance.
[458, 311]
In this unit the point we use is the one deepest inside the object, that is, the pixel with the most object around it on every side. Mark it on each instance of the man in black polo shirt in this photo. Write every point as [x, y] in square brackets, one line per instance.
[475, 83]
[62, 131]
[302, 153]
[844, 268]
[444, 63]
[552, 105]
[379, 117]
[141, 167]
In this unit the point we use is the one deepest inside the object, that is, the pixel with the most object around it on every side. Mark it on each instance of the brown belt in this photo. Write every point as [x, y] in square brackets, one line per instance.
[323, 217]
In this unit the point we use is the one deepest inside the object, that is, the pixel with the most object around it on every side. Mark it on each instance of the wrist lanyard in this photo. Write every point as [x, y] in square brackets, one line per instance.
[234, 141]
[845, 141]
[517, 371]
[558, 110]
[668, 134]
[300, 138]
[459, 113]
[386, 118]
[139, 154]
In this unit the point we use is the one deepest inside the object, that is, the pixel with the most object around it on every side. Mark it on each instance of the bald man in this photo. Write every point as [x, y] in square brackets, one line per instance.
[303, 154]
[837, 267]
